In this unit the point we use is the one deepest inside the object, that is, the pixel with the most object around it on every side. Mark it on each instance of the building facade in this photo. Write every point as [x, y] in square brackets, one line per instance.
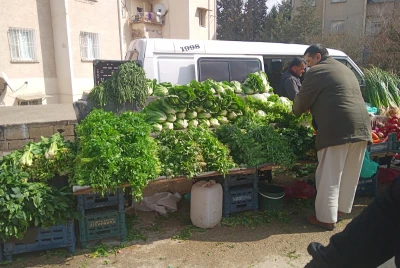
[361, 16]
[48, 46]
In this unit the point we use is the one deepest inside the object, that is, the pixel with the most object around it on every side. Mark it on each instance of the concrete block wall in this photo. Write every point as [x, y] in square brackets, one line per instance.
[14, 137]
[22, 124]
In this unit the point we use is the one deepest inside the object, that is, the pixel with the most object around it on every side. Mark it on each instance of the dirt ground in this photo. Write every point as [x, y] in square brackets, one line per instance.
[273, 239]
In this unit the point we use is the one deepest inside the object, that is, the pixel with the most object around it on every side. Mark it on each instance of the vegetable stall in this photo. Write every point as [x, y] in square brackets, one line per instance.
[201, 129]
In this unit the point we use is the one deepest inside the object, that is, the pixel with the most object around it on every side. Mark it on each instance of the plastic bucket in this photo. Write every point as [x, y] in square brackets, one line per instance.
[270, 196]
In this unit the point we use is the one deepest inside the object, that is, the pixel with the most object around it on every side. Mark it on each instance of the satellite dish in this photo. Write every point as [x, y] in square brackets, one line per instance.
[160, 9]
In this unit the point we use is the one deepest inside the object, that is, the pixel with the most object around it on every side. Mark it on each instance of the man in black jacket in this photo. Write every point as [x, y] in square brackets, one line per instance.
[290, 81]
[369, 240]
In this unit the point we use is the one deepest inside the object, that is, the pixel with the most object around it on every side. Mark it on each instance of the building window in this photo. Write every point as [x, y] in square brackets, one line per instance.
[201, 13]
[373, 27]
[308, 3]
[337, 27]
[22, 45]
[31, 102]
[338, 1]
[90, 46]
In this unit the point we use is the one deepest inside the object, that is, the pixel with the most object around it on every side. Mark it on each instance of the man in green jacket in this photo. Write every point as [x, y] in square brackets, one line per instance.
[332, 93]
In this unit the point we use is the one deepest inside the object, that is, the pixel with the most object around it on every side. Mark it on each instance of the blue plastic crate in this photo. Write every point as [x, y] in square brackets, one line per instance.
[58, 236]
[240, 179]
[239, 199]
[96, 200]
[368, 185]
[103, 224]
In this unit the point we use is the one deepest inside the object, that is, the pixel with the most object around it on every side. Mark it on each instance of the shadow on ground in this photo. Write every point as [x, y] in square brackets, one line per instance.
[154, 241]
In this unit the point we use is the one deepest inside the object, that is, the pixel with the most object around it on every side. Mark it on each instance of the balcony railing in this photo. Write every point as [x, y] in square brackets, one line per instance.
[146, 17]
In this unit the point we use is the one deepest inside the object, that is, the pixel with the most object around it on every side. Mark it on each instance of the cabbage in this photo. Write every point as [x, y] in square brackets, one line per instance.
[180, 124]
[193, 123]
[219, 88]
[199, 109]
[260, 97]
[204, 122]
[191, 114]
[166, 108]
[237, 87]
[168, 125]
[153, 117]
[51, 152]
[223, 113]
[214, 122]
[160, 91]
[231, 116]
[266, 95]
[157, 127]
[285, 101]
[247, 90]
[261, 113]
[180, 115]
[171, 118]
[203, 115]
[181, 109]
[222, 120]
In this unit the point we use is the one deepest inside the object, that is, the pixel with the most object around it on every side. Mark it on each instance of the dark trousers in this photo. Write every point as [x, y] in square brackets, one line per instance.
[369, 240]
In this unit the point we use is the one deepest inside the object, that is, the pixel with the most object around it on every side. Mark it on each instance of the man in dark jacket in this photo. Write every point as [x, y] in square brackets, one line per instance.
[290, 81]
[369, 240]
[331, 92]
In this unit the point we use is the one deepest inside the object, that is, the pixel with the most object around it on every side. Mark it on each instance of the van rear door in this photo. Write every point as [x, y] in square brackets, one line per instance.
[226, 67]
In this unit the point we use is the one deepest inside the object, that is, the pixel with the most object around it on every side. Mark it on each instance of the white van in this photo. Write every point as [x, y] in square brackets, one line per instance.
[180, 61]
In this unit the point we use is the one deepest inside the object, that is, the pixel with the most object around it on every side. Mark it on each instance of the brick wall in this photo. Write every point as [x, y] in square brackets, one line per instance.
[14, 137]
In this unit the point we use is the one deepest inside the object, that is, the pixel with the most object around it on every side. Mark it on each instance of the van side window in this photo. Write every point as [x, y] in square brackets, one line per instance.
[241, 69]
[345, 62]
[216, 70]
[227, 69]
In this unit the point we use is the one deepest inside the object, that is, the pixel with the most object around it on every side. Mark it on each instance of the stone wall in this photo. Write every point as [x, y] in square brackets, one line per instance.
[22, 124]
[14, 137]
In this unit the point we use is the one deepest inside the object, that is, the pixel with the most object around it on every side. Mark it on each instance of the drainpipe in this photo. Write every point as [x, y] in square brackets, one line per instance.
[121, 31]
[323, 16]
[208, 19]
[364, 17]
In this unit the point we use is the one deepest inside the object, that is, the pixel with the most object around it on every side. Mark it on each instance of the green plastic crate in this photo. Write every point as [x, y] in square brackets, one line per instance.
[104, 224]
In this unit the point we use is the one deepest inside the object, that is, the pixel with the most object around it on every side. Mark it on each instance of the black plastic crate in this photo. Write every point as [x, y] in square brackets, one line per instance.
[95, 200]
[368, 185]
[58, 236]
[385, 147]
[239, 179]
[103, 224]
[239, 199]
[265, 175]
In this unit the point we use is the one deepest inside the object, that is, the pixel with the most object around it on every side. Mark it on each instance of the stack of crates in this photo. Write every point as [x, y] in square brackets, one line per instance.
[102, 216]
[58, 236]
[368, 185]
[240, 191]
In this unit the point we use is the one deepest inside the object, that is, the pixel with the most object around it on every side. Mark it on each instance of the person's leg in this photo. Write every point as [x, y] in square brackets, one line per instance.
[350, 176]
[328, 175]
[369, 240]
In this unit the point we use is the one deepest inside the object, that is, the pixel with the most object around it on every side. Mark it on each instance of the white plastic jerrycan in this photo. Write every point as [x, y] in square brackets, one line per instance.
[206, 204]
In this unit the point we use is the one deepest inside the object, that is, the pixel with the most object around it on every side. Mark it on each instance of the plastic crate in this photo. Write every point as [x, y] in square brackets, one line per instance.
[265, 175]
[240, 199]
[104, 224]
[385, 147]
[368, 185]
[239, 179]
[58, 236]
[96, 200]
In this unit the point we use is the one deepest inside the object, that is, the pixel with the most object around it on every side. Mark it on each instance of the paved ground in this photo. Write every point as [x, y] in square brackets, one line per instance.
[248, 240]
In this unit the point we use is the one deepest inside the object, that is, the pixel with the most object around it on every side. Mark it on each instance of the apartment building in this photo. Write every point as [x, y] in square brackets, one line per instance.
[361, 16]
[47, 47]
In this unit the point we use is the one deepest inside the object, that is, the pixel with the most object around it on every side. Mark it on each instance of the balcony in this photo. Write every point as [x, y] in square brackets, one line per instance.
[146, 25]
[146, 17]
